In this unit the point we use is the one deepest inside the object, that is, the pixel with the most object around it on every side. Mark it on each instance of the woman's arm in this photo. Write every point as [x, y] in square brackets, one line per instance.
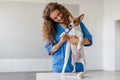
[55, 47]
[63, 39]
[87, 41]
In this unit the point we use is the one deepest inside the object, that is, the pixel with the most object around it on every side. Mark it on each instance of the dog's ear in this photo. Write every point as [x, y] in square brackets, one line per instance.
[81, 17]
[70, 18]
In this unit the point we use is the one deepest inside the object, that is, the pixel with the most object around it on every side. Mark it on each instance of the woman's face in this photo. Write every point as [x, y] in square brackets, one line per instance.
[57, 16]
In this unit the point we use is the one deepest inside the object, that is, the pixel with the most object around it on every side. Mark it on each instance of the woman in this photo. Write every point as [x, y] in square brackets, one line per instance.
[56, 20]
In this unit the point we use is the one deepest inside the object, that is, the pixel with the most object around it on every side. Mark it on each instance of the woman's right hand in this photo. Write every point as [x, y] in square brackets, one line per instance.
[64, 38]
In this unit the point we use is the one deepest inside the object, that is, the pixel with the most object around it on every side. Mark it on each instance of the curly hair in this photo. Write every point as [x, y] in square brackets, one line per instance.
[49, 28]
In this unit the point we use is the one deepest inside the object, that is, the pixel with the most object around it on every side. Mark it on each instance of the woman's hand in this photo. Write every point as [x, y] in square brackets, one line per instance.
[74, 40]
[64, 38]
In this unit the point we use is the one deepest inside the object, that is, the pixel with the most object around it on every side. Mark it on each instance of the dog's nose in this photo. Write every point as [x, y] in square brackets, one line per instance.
[70, 25]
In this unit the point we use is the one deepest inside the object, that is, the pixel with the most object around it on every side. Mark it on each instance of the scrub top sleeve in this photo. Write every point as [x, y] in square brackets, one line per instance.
[86, 33]
[48, 47]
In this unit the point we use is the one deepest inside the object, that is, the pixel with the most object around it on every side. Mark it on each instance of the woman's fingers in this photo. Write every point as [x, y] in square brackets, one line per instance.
[74, 40]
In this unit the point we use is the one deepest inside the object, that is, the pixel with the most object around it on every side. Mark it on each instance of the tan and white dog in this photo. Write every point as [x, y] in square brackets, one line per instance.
[77, 50]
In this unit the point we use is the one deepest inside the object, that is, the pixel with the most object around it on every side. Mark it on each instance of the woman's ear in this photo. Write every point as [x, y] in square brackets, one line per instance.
[81, 17]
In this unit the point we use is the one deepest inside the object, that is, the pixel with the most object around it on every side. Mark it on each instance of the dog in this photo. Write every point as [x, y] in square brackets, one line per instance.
[77, 50]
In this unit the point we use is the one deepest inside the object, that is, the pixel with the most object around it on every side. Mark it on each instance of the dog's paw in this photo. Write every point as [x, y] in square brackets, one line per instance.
[62, 74]
[80, 75]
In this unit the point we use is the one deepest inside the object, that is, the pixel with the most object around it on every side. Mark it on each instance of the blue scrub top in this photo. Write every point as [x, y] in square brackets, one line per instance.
[59, 55]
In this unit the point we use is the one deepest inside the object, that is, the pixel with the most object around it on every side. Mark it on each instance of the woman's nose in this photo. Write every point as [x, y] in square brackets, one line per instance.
[59, 17]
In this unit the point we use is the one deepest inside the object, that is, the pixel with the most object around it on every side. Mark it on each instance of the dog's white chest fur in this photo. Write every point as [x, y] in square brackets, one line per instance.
[77, 32]
[74, 31]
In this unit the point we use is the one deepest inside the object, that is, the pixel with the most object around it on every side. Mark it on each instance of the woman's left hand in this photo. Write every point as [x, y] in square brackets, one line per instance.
[74, 40]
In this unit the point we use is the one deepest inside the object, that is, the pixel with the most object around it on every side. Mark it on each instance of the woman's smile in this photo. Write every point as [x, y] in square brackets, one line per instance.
[57, 16]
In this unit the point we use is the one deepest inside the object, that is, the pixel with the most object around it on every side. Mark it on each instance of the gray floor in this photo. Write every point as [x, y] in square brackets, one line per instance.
[91, 75]
[18, 76]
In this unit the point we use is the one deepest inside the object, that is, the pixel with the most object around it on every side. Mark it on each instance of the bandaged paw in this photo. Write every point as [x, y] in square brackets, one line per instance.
[62, 34]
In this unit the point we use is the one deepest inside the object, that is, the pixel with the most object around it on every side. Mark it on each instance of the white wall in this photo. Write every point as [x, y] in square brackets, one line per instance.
[117, 44]
[20, 31]
[93, 10]
[25, 65]
[94, 22]
[111, 14]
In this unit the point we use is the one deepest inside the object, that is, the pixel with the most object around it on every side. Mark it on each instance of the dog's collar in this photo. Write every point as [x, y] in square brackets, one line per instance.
[66, 30]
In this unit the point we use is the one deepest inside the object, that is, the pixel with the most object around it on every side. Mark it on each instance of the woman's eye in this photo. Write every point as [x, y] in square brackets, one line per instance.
[58, 14]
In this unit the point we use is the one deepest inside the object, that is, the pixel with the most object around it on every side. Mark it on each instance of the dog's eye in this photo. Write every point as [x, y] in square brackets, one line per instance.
[74, 22]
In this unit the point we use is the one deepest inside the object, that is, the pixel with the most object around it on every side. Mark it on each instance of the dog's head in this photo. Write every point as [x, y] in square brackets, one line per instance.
[75, 21]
